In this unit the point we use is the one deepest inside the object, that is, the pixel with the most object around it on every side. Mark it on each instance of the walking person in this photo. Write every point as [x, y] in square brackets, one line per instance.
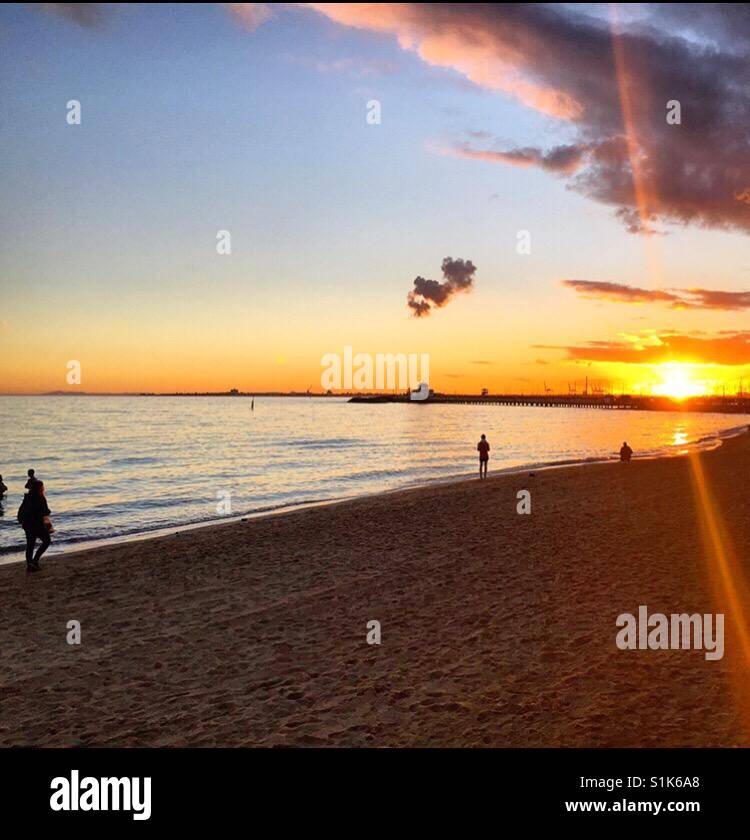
[33, 516]
[484, 456]
[626, 453]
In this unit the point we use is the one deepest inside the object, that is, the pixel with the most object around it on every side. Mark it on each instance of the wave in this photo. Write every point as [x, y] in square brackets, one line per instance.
[725, 434]
[103, 536]
[135, 459]
[363, 475]
[326, 443]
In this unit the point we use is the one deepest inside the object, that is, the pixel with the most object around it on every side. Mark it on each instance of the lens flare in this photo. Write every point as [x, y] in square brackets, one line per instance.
[677, 381]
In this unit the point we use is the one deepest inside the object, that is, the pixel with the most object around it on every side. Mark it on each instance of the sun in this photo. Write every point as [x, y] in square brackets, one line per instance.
[676, 381]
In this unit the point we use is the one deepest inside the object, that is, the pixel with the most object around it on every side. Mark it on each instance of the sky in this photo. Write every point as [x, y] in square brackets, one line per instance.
[530, 209]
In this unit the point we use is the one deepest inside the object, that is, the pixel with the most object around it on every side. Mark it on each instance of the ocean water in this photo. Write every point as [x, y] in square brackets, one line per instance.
[119, 466]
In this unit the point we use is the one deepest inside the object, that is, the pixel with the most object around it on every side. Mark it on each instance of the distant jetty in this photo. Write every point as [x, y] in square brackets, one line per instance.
[623, 402]
[232, 393]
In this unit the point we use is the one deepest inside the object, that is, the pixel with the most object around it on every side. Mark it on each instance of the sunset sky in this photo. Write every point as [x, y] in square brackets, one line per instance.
[253, 119]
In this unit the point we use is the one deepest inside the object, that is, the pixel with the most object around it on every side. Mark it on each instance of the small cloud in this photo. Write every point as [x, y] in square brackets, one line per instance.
[692, 298]
[560, 159]
[250, 15]
[432, 294]
[358, 68]
[635, 222]
[89, 15]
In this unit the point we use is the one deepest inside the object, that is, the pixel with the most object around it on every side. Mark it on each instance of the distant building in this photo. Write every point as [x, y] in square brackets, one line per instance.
[423, 392]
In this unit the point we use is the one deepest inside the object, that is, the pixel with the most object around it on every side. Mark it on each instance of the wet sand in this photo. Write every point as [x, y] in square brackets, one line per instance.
[498, 629]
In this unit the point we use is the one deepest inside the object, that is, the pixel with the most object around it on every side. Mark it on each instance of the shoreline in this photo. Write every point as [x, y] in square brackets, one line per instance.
[703, 444]
[498, 629]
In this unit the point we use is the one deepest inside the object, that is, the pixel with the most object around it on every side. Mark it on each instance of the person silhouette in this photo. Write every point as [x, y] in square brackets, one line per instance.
[484, 456]
[32, 479]
[3, 487]
[32, 516]
[626, 453]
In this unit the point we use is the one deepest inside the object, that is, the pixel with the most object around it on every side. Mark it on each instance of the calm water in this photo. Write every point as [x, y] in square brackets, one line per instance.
[115, 466]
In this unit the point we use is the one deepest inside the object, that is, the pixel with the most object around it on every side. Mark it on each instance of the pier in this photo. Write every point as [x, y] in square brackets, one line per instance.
[611, 402]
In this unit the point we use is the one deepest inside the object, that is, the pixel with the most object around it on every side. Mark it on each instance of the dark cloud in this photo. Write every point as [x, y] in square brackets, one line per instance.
[714, 299]
[84, 14]
[429, 294]
[727, 25]
[609, 82]
[722, 349]
[601, 290]
[694, 298]
[636, 221]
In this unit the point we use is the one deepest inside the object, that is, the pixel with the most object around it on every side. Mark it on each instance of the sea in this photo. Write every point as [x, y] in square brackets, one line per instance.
[119, 467]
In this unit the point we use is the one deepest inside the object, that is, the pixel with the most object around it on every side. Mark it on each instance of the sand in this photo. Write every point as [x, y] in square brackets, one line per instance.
[498, 629]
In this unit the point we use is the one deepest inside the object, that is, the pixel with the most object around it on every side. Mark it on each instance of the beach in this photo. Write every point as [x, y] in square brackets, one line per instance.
[497, 628]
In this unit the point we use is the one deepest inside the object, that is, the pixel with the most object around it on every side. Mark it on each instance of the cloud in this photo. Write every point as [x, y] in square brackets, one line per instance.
[444, 36]
[562, 159]
[726, 24]
[636, 221]
[432, 294]
[693, 298]
[715, 299]
[721, 349]
[250, 15]
[601, 290]
[353, 67]
[88, 15]
[608, 83]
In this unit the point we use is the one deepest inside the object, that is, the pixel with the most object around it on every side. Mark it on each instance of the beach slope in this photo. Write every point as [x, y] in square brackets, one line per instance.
[498, 628]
